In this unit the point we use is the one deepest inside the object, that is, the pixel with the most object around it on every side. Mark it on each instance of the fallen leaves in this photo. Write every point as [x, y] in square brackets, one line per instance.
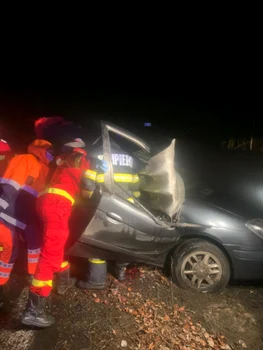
[157, 324]
[133, 272]
[206, 335]
[181, 309]
[96, 299]
[211, 342]
[151, 346]
[166, 318]
[175, 328]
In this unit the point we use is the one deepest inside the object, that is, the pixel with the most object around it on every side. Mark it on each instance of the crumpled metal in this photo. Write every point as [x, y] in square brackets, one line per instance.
[160, 182]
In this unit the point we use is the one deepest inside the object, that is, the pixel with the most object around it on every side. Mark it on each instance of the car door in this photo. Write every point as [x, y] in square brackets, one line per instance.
[116, 221]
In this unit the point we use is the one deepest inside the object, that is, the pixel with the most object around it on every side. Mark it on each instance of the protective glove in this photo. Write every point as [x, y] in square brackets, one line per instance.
[102, 165]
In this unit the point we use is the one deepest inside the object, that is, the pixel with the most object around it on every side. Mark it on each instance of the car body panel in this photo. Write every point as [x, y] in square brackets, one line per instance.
[126, 229]
[119, 230]
[228, 231]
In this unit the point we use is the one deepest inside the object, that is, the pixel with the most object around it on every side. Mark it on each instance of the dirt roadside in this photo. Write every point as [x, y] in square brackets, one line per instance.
[146, 312]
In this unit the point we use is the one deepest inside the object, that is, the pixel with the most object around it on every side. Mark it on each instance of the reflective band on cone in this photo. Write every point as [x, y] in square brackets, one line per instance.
[97, 261]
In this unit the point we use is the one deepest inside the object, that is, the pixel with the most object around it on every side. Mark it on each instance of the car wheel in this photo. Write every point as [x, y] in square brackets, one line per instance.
[200, 266]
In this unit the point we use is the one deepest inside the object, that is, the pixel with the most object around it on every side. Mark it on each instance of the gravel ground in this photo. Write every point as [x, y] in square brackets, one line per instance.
[145, 312]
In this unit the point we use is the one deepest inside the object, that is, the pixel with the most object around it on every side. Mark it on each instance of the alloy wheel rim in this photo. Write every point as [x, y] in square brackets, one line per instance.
[201, 270]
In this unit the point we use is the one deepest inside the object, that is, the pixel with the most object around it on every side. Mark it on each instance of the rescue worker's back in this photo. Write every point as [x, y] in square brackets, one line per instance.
[125, 171]
[23, 179]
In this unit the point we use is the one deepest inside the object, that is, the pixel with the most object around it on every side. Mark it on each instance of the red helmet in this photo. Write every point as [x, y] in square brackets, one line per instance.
[4, 146]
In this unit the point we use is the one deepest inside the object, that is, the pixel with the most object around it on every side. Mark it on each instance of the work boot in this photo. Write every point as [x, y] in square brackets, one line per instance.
[1, 297]
[35, 313]
[64, 282]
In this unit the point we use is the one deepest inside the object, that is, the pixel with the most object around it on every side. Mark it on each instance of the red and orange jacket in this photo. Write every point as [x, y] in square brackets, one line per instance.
[23, 179]
[69, 178]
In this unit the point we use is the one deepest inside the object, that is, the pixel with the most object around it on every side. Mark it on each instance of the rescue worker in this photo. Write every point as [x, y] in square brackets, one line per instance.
[127, 186]
[54, 206]
[125, 170]
[5, 156]
[23, 179]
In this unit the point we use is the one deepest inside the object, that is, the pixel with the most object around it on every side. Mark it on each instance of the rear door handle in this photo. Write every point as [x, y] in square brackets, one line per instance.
[114, 216]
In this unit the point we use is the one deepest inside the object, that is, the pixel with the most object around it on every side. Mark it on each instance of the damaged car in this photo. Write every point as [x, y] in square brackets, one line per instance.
[194, 232]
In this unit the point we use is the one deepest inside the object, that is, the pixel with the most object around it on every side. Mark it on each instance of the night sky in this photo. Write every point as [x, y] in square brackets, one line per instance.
[209, 115]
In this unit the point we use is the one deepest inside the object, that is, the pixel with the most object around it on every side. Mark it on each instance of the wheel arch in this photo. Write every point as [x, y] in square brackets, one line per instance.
[194, 237]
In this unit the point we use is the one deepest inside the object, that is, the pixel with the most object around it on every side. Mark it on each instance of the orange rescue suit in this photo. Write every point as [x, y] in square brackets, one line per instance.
[54, 206]
[20, 185]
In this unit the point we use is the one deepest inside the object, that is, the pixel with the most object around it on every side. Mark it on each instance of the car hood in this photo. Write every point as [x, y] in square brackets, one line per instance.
[160, 182]
[196, 211]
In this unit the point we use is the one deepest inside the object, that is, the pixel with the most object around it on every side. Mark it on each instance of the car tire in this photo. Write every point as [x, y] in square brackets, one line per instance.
[198, 260]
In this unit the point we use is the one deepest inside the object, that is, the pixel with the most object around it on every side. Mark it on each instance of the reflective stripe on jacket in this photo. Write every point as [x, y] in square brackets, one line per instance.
[68, 176]
[59, 192]
[129, 183]
[23, 179]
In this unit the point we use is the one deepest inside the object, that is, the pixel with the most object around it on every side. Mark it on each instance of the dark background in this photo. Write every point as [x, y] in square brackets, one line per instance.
[207, 115]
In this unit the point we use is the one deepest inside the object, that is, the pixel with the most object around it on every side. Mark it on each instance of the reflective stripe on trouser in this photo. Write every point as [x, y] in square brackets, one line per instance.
[96, 272]
[9, 248]
[55, 215]
[45, 286]
[33, 237]
[9, 244]
[32, 258]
